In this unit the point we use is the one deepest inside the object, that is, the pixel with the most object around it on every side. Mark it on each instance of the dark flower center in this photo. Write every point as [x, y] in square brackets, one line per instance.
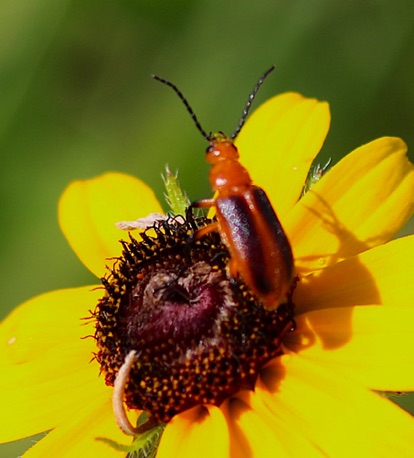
[199, 335]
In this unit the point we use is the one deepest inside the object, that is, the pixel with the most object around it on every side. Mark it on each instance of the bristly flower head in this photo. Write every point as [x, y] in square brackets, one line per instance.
[199, 335]
[297, 393]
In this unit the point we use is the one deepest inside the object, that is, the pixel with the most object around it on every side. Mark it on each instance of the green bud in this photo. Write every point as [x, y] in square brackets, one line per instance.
[176, 198]
[316, 172]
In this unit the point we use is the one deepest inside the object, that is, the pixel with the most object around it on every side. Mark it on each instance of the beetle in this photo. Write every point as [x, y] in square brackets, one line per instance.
[260, 251]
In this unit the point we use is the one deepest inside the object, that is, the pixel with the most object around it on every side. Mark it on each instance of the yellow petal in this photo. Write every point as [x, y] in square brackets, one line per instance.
[382, 275]
[40, 395]
[279, 142]
[47, 360]
[360, 203]
[336, 414]
[255, 431]
[371, 344]
[199, 432]
[89, 210]
[77, 435]
[46, 321]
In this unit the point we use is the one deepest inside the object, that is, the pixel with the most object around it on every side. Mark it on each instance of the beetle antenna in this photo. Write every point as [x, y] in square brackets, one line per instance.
[185, 102]
[250, 101]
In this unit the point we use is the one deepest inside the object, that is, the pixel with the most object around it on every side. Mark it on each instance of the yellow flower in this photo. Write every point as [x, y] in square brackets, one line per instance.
[354, 312]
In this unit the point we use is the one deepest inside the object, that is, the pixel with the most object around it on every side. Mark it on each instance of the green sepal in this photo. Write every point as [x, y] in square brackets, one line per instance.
[176, 198]
[145, 445]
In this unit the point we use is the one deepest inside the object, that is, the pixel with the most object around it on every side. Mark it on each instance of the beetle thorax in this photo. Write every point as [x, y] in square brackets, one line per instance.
[228, 175]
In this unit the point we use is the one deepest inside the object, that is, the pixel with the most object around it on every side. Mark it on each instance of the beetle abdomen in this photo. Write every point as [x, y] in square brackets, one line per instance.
[257, 242]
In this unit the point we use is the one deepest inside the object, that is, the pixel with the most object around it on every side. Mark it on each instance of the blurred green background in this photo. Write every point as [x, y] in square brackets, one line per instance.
[77, 99]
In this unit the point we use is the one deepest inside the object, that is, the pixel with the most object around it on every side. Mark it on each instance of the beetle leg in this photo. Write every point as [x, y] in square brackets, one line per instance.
[202, 203]
[234, 272]
[206, 230]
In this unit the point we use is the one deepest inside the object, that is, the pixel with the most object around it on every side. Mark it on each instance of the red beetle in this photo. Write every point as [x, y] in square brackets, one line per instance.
[259, 249]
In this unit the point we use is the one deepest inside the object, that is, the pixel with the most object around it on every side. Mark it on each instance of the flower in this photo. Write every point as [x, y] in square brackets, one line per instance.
[353, 318]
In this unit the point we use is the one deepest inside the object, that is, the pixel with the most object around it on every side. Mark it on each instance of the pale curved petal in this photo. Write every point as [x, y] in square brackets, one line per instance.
[89, 210]
[279, 142]
[382, 275]
[199, 432]
[338, 415]
[360, 203]
[371, 344]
